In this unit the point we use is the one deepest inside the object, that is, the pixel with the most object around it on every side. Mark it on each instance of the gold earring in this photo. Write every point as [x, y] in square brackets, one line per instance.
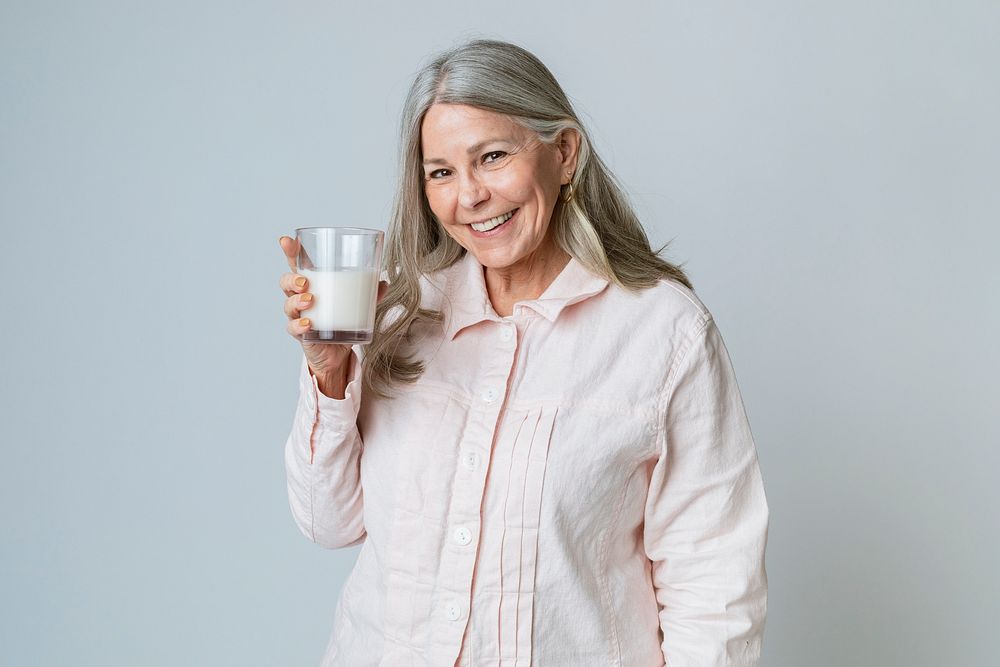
[567, 197]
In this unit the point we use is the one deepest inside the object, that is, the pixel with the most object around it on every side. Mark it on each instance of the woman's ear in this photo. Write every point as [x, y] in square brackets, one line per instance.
[568, 144]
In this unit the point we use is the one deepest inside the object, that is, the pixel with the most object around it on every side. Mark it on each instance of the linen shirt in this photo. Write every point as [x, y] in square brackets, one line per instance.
[575, 484]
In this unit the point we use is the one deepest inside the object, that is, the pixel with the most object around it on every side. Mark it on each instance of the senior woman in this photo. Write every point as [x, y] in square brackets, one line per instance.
[543, 453]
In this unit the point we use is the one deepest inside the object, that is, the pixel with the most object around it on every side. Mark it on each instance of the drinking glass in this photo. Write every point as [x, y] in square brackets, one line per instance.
[342, 265]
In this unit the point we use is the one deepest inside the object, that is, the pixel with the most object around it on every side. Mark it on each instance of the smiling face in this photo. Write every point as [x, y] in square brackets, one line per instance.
[479, 167]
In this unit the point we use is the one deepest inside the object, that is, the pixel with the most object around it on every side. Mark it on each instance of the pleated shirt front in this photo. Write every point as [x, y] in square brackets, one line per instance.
[573, 485]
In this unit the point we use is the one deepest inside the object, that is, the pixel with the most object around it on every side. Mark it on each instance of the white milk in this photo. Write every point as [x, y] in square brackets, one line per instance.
[342, 300]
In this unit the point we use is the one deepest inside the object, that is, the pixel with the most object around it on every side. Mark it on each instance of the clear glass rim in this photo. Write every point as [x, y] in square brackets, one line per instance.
[361, 230]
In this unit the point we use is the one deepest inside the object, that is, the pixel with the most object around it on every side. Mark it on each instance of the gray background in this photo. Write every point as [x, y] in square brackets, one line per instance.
[829, 173]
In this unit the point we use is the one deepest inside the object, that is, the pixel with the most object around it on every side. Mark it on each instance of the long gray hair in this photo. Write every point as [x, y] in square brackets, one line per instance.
[597, 226]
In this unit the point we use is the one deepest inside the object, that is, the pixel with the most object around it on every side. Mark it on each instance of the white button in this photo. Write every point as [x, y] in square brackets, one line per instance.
[453, 611]
[490, 395]
[506, 334]
[470, 460]
[462, 535]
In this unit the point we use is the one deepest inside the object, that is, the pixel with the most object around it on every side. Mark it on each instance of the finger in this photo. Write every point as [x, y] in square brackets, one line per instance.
[293, 283]
[297, 327]
[290, 247]
[296, 303]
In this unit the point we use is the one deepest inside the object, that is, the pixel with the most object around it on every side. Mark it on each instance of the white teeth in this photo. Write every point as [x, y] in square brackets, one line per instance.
[491, 223]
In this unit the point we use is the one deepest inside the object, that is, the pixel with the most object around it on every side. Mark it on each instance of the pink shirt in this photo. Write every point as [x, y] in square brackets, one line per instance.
[574, 485]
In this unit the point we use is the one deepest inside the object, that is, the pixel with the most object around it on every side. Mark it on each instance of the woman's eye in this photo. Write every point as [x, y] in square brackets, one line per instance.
[434, 173]
[498, 154]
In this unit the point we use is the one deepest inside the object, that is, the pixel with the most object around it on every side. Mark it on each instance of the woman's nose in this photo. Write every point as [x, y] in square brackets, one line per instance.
[471, 192]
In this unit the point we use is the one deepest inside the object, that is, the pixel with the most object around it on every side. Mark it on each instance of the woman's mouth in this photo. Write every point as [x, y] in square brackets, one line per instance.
[493, 226]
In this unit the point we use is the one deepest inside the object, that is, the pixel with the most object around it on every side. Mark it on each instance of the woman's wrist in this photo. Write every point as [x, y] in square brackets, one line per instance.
[333, 385]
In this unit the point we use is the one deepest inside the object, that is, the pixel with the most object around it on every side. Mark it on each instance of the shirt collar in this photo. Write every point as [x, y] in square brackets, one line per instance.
[470, 302]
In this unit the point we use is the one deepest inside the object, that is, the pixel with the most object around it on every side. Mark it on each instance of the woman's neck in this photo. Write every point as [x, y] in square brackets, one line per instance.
[525, 280]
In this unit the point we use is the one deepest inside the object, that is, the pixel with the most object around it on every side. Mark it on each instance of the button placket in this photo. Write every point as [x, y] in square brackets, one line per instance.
[459, 561]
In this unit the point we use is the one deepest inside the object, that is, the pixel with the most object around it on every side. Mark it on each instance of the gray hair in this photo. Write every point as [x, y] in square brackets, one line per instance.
[597, 226]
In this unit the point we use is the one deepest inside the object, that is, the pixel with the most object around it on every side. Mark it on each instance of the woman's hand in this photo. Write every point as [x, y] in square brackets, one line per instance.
[326, 360]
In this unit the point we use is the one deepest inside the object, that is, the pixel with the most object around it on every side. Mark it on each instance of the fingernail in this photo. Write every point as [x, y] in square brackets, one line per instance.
[304, 322]
[300, 282]
[305, 298]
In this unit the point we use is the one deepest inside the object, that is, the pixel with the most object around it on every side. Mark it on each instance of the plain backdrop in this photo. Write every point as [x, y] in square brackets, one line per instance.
[828, 174]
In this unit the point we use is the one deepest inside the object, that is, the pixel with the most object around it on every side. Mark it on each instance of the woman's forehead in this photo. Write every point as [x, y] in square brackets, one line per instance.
[461, 126]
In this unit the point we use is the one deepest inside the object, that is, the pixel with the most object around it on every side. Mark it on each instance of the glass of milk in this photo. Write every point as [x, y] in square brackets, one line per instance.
[342, 265]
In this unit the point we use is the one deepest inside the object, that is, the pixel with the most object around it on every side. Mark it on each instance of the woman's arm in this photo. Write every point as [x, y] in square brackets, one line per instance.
[706, 516]
[323, 459]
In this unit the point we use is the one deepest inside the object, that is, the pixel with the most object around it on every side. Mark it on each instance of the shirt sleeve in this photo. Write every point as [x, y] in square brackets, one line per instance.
[323, 462]
[706, 516]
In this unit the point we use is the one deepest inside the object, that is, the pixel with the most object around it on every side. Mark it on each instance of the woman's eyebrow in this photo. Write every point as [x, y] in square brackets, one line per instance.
[475, 148]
